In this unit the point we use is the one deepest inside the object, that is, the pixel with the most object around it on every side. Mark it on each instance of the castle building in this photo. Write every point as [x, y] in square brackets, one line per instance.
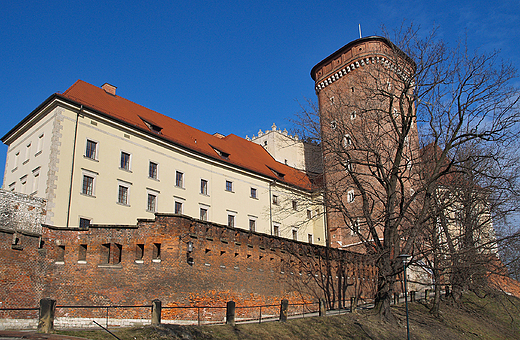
[98, 158]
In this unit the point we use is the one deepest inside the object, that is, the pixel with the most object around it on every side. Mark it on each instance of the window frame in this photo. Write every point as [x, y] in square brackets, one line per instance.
[155, 173]
[179, 179]
[229, 186]
[87, 189]
[276, 229]
[204, 183]
[127, 166]
[127, 185]
[82, 225]
[95, 154]
[252, 224]
[254, 193]
[231, 218]
[154, 195]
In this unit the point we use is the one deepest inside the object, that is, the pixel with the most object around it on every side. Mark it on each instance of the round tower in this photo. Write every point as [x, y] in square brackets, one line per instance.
[365, 104]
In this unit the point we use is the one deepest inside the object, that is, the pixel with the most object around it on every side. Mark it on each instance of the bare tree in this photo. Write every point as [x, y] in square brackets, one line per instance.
[379, 191]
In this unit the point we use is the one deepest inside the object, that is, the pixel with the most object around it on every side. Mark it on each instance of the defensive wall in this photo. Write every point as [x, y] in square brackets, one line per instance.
[176, 259]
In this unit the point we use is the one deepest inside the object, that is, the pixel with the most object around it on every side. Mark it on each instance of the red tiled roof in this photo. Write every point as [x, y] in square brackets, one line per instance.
[242, 153]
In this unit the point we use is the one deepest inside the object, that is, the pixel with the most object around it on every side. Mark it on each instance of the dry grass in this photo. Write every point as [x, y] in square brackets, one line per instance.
[493, 318]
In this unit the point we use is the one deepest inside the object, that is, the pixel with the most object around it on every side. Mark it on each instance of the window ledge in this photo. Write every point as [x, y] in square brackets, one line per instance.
[59, 262]
[139, 261]
[154, 179]
[82, 194]
[127, 170]
[90, 158]
[123, 204]
[156, 260]
[114, 266]
[82, 261]
[38, 153]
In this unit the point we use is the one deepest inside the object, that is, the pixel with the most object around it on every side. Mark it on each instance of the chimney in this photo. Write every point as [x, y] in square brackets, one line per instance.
[110, 89]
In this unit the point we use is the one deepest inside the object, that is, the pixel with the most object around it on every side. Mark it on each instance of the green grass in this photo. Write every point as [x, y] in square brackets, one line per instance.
[493, 318]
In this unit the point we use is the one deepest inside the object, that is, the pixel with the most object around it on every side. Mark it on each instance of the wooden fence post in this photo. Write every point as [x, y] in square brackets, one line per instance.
[284, 306]
[323, 308]
[46, 315]
[156, 312]
[230, 313]
[353, 304]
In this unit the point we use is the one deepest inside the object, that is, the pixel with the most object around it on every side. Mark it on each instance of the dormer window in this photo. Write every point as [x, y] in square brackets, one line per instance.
[153, 127]
[221, 153]
[277, 173]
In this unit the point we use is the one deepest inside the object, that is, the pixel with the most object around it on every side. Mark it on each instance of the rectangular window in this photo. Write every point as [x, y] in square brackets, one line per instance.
[309, 214]
[88, 185]
[179, 179]
[295, 235]
[27, 152]
[203, 187]
[309, 238]
[16, 160]
[275, 200]
[252, 225]
[36, 179]
[276, 230]
[90, 151]
[82, 253]
[122, 195]
[152, 170]
[139, 252]
[84, 223]
[253, 193]
[178, 208]
[152, 203]
[12, 186]
[125, 161]
[203, 214]
[231, 221]
[295, 205]
[229, 186]
[156, 256]
[40, 145]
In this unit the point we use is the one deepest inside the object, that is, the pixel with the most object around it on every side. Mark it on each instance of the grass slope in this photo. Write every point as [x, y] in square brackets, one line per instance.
[495, 317]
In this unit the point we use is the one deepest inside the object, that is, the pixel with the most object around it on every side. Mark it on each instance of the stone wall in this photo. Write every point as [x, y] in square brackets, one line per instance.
[21, 213]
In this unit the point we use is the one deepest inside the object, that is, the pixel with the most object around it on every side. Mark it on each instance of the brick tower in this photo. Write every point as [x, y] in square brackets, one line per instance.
[366, 114]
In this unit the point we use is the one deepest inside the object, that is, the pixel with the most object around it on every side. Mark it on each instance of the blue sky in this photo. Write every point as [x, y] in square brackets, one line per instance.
[220, 66]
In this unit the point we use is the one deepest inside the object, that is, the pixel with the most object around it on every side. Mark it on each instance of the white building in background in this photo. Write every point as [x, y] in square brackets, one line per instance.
[290, 150]
[98, 158]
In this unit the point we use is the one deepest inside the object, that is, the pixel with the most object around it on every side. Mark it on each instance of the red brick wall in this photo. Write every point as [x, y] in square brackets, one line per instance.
[228, 264]
[22, 272]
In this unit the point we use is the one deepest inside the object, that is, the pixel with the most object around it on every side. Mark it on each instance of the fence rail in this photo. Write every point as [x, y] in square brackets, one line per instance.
[203, 314]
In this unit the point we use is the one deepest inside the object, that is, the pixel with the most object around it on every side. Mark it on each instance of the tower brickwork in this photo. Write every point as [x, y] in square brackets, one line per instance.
[366, 115]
